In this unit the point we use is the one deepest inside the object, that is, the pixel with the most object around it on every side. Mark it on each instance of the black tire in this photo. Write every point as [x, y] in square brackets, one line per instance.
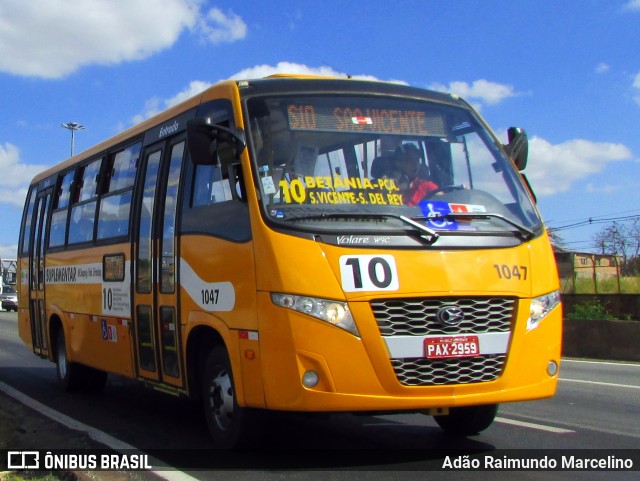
[469, 420]
[71, 376]
[230, 425]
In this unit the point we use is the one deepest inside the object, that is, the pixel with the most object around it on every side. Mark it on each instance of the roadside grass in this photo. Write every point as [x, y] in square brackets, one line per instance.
[35, 476]
[585, 285]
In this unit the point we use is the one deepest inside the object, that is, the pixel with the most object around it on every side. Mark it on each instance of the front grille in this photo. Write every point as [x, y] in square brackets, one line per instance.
[417, 317]
[428, 372]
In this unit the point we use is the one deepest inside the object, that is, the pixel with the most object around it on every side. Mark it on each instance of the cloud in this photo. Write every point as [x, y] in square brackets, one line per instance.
[54, 38]
[632, 5]
[260, 71]
[13, 188]
[602, 68]
[219, 27]
[156, 105]
[602, 189]
[479, 92]
[194, 88]
[294, 19]
[8, 252]
[555, 168]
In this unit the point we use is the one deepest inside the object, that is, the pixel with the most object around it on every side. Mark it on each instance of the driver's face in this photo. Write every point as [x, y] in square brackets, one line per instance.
[409, 162]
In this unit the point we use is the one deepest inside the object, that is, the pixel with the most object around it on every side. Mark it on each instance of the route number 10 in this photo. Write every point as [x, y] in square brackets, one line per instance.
[369, 273]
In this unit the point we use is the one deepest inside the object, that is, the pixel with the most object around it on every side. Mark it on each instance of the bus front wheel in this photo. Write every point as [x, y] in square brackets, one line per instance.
[468, 420]
[228, 423]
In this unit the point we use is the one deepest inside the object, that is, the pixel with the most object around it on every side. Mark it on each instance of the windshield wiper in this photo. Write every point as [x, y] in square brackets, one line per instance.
[429, 235]
[523, 232]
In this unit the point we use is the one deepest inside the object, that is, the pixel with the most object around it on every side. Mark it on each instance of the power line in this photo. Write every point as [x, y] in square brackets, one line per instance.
[597, 217]
[592, 221]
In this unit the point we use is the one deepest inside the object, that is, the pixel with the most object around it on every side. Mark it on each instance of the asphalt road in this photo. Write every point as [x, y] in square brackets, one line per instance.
[597, 407]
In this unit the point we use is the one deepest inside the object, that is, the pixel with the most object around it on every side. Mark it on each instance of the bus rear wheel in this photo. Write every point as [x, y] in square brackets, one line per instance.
[468, 420]
[228, 423]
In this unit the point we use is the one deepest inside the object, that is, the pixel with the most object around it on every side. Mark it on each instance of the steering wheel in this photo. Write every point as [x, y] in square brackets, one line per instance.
[445, 189]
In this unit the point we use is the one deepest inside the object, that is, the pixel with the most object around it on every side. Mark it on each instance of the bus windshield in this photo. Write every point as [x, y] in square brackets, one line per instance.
[335, 163]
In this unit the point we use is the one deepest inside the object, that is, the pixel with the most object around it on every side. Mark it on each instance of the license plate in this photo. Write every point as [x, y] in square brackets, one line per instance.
[451, 346]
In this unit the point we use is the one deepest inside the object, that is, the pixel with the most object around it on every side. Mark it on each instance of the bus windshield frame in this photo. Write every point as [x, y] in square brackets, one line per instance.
[336, 163]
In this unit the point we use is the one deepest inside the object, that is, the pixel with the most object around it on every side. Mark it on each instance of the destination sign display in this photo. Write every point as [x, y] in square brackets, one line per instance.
[361, 115]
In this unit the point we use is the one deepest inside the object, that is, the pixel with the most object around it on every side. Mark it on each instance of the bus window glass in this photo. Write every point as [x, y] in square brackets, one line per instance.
[81, 223]
[210, 186]
[64, 192]
[45, 203]
[26, 224]
[123, 168]
[167, 270]
[34, 254]
[144, 264]
[58, 228]
[89, 183]
[115, 208]
[113, 219]
[60, 204]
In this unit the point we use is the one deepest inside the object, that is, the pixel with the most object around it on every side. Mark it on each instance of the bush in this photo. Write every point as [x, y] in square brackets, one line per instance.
[591, 310]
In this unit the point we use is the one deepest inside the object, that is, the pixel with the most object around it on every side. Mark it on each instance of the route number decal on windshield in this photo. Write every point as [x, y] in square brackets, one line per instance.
[369, 273]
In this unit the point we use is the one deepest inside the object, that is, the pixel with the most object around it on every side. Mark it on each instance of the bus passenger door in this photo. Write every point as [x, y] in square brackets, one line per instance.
[156, 323]
[37, 311]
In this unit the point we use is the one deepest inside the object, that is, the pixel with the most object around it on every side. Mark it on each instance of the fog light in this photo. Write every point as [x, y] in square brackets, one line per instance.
[552, 368]
[310, 379]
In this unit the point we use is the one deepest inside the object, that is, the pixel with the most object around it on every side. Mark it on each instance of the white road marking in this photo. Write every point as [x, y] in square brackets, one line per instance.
[606, 363]
[540, 427]
[95, 434]
[597, 383]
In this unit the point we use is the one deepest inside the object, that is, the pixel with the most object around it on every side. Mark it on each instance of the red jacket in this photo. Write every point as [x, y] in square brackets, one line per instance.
[418, 188]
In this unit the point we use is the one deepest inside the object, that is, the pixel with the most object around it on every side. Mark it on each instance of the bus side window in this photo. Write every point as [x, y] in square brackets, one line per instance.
[115, 202]
[210, 206]
[61, 199]
[210, 185]
[25, 234]
[84, 211]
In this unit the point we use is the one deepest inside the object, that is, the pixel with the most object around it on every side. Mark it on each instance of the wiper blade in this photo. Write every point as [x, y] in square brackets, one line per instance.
[429, 235]
[433, 235]
[523, 232]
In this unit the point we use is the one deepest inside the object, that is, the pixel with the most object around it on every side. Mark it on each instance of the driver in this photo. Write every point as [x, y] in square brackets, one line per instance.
[414, 181]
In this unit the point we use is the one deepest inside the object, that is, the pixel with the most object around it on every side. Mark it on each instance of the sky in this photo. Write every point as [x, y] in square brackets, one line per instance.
[566, 72]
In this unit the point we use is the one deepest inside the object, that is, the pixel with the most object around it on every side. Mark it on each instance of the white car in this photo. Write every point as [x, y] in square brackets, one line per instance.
[9, 299]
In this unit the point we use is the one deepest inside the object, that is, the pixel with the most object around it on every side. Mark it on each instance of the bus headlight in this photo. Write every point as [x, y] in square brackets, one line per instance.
[334, 312]
[540, 307]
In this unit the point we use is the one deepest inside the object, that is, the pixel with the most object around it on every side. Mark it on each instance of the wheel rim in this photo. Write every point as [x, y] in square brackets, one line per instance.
[62, 357]
[221, 400]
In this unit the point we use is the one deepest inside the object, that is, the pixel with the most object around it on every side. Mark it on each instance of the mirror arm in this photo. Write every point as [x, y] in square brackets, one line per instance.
[203, 136]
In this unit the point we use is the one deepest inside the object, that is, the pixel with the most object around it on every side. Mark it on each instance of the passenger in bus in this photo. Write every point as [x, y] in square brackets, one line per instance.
[414, 180]
[384, 167]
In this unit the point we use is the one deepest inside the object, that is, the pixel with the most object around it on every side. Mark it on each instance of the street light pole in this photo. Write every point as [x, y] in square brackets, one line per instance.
[72, 126]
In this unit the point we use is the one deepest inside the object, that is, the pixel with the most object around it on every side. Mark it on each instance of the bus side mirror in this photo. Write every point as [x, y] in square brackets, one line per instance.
[208, 141]
[518, 147]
